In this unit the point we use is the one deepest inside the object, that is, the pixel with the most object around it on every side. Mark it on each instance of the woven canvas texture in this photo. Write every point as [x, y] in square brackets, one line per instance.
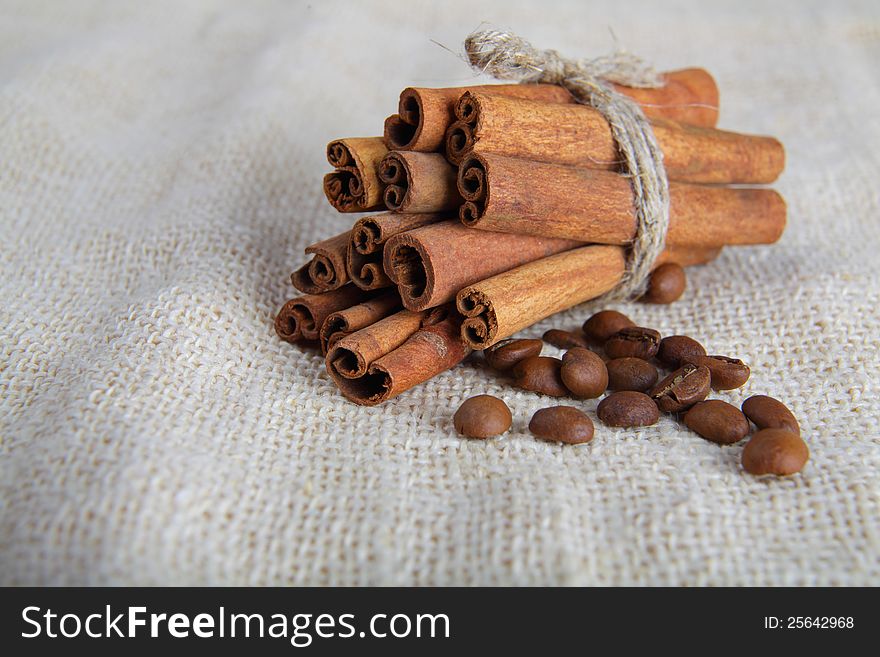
[160, 174]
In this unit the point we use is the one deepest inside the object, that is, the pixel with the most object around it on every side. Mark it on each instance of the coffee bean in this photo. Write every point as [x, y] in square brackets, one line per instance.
[565, 339]
[604, 324]
[630, 374]
[564, 424]
[540, 374]
[507, 353]
[633, 342]
[677, 349]
[628, 409]
[682, 389]
[482, 416]
[717, 421]
[727, 373]
[667, 284]
[775, 451]
[769, 413]
[584, 373]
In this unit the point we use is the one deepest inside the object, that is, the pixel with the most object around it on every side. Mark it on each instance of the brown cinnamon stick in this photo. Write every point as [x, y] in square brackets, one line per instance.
[301, 318]
[577, 135]
[418, 182]
[424, 115]
[343, 322]
[354, 186]
[326, 271]
[430, 264]
[518, 196]
[368, 236]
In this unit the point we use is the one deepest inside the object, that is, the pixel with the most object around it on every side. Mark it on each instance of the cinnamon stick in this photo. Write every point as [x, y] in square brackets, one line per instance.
[418, 182]
[326, 271]
[689, 95]
[301, 318]
[368, 236]
[430, 264]
[597, 206]
[354, 186]
[343, 322]
[580, 136]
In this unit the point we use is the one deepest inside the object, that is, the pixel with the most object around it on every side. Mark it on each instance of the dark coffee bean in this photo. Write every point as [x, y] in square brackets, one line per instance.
[540, 374]
[717, 421]
[678, 349]
[628, 409]
[584, 373]
[667, 284]
[682, 389]
[769, 413]
[633, 342]
[604, 324]
[482, 416]
[564, 424]
[507, 353]
[565, 339]
[630, 374]
[727, 373]
[775, 451]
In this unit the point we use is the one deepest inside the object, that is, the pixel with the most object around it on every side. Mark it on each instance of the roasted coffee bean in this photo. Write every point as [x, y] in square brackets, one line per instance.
[727, 373]
[675, 350]
[633, 342]
[584, 373]
[769, 413]
[630, 374]
[717, 421]
[604, 324]
[775, 451]
[682, 389]
[507, 353]
[628, 408]
[564, 424]
[482, 416]
[540, 374]
[565, 339]
[667, 284]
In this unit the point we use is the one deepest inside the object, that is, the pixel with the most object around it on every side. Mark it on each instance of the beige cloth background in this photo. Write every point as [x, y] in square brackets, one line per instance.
[159, 178]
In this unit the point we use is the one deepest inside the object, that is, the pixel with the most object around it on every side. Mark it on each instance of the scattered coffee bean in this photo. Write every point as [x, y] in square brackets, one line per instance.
[628, 408]
[630, 374]
[727, 373]
[507, 353]
[678, 349]
[633, 342]
[540, 374]
[483, 416]
[584, 373]
[667, 284]
[769, 413]
[775, 451]
[604, 324]
[682, 389]
[565, 339]
[717, 421]
[564, 424]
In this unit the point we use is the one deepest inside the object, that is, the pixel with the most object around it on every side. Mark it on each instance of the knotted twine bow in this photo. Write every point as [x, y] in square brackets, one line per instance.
[506, 56]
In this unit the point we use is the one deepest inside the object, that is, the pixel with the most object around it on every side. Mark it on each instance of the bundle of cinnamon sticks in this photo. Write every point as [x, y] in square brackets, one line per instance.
[500, 205]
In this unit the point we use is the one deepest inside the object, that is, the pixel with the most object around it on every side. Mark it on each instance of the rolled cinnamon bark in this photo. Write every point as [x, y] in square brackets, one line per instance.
[689, 95]
[343, 322]
[301, 318]
[577, 135]
[430, 264]
[686, 257]
[418, 182]
[597, 206]
[368, 236]
[435, 347]
[326, 271]
[354, 186]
